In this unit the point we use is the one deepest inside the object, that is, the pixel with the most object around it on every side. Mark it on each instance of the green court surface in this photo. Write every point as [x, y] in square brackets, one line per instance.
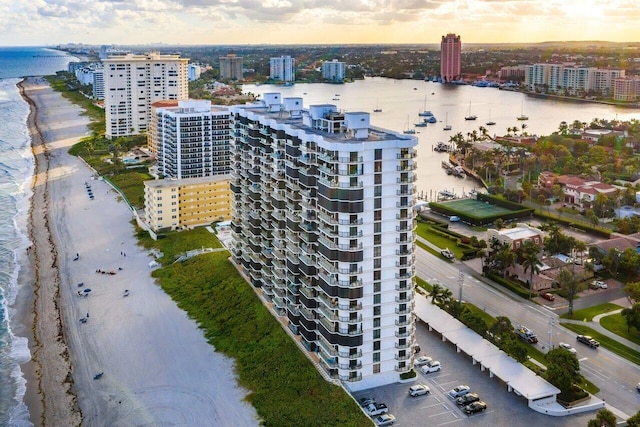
[475, 208]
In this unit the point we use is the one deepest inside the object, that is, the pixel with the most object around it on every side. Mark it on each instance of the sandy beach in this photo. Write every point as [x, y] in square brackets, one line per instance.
[157, 367]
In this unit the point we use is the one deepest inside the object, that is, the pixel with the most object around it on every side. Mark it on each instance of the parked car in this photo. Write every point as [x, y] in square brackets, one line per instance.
[447, 254]
[467, 399]
[374, 409]
[422, 360]
[567, 347]
[384, 420]
[431, 367]
[419, 390]
[549, 296]
[475, 407]
[366, 401]
[454, 218]
[460, 390]
[598, 284]
[638, 387]
[586, 339]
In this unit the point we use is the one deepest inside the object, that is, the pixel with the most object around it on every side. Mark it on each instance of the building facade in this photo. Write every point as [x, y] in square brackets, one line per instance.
[626, 89]
[191, 140]
[194, 72]
[178, 204]
[571, 79]
[133, 82]
[324, 226]
[231, 67]
[333, 70]
[282, 69]
[450, 58]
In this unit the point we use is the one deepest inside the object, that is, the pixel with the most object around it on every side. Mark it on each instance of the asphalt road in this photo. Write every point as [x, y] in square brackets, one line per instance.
[616, 377]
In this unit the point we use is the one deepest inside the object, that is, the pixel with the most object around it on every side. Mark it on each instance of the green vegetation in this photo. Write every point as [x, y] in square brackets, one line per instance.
[285, 388]
[617, 324]
[421, 283]
[176, 243]
[590, 312]
[606, 342]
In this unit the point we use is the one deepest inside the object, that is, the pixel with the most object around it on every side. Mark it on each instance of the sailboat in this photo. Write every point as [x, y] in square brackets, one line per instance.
[407, 130]
[377, 109]
[425, 112]
[490, 122]
[522, 116]
[470, 116]
[447, 126]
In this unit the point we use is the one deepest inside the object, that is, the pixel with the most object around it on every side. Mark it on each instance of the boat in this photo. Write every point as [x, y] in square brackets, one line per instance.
[377, 109]
[408, 130]
[490, 122]
[446, 194]
[431, 119]
[425, 112]
[522, 116]
[447, 126]
[421, 124]
[442, 147]
[459, 172]
[470, 116]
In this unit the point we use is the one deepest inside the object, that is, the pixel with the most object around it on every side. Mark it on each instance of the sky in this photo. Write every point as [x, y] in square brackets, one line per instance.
[193, 22]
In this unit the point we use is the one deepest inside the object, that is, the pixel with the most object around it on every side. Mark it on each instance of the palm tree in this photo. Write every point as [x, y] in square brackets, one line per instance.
[506, 258]
[529, 252]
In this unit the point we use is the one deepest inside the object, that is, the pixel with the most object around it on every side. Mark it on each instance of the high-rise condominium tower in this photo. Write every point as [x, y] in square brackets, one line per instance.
[231, 67]
[323, 225]
[133, 82]
[450, 48]
[282, 68]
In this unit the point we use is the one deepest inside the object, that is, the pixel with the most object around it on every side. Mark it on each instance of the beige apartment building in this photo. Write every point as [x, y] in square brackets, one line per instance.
[178, 204]
[133, 82]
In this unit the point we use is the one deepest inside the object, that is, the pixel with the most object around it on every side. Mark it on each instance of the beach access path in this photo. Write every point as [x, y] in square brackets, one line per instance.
[157, 367]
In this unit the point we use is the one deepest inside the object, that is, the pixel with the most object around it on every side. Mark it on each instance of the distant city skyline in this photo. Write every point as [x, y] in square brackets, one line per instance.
[201, 22]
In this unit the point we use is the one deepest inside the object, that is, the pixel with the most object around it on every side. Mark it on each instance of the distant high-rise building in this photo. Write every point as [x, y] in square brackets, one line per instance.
[450, 51]
[133, 82]
[194, 72]
[98, 83]
[282, 68]
[231, 67]
[333, 70]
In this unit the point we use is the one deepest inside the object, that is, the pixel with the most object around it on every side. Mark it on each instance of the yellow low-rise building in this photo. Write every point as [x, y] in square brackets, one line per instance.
[178, 204]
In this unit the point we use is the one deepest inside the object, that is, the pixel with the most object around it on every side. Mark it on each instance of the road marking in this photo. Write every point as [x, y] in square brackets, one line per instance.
[452, 421]
[441, 413]
[583, 359]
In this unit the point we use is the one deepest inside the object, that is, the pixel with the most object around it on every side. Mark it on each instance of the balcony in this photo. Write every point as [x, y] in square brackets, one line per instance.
[407, 322]
[336, 329]
[406, 299]
[403, 347]
[406, 276]
[405, 357]
[350, 378]
[407, 334]
[341, 283]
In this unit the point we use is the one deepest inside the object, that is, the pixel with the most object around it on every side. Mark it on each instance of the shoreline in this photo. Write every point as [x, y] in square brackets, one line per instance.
[51, 402]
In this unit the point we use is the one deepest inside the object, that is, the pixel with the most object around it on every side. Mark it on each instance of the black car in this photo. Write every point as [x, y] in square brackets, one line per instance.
[475, 407]
[467, 399]
[366, 401]
[586, 339]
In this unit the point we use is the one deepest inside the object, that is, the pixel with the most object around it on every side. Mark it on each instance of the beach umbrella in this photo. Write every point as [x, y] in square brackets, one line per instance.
[87, 290]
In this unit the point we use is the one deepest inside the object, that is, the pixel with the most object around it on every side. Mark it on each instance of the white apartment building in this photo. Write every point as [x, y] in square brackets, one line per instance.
[194, 72]
[282, 69]
[324, 228]
[333, 70]
[576, 80]
[133, 82]
[98, 83]
[191, 139]
[626, 89]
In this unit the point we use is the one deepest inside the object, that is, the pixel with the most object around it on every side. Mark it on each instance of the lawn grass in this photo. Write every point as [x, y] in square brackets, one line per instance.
[421, 283]
[606, 342]
[590, 312]
[617, 324]
[131, 183]
[285, 388]
[176, 243]
[488, 319]
[425, 231]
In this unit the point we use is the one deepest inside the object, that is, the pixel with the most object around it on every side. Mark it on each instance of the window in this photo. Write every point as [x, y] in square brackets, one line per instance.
[377, 239]
[377, 203]
[376, 368]
[377, 191]
[376, 286]
[377, 298]
[376, 357]
[376, 345]
[376, 334]
[378, 153]
[377, 263]
[376, 322]
[377, 251]
[376, 310]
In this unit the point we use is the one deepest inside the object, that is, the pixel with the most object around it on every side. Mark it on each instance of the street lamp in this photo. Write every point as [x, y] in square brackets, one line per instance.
[460, 284]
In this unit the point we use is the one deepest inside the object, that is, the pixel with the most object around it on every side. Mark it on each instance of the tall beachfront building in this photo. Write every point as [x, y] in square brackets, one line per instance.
[450, 54]
[231, 67]
[282, 69]
[191, 139]
[333, 70]
[133, 82]
[324, 228]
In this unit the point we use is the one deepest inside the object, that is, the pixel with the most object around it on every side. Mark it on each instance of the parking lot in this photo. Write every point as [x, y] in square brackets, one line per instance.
[438, 409]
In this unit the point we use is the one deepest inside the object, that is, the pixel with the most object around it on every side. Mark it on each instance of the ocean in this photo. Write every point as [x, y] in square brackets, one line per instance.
[16, 171]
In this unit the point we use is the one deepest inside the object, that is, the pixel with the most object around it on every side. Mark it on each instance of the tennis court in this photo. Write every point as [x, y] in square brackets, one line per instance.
[475, 208]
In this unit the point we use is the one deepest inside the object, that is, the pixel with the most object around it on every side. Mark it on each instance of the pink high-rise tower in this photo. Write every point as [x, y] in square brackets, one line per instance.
[450, 48]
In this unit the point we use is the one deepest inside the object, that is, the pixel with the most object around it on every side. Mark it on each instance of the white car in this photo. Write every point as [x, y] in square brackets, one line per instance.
[374, 409]
[567, 347]
[419, 390]
[384, 420]
[461, 390]
[422, 360]
[431, 367]
[598, 284]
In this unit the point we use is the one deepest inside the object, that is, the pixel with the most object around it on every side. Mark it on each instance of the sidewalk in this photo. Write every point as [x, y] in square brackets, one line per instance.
[595, 325]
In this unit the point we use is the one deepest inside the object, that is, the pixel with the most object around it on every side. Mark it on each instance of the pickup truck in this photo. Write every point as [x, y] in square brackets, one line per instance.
[526, 334]
[374, 409]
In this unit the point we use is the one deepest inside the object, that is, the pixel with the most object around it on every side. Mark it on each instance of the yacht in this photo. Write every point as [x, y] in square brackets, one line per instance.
[470, 116]
[425, 112]
[447, 126]
[522, 116]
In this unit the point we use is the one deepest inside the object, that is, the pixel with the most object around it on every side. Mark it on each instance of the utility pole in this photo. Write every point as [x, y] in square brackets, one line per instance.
[461, 284]
[551, 325]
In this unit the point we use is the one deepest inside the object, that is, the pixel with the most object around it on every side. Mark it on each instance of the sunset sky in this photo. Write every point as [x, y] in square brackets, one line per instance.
[46, 22]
